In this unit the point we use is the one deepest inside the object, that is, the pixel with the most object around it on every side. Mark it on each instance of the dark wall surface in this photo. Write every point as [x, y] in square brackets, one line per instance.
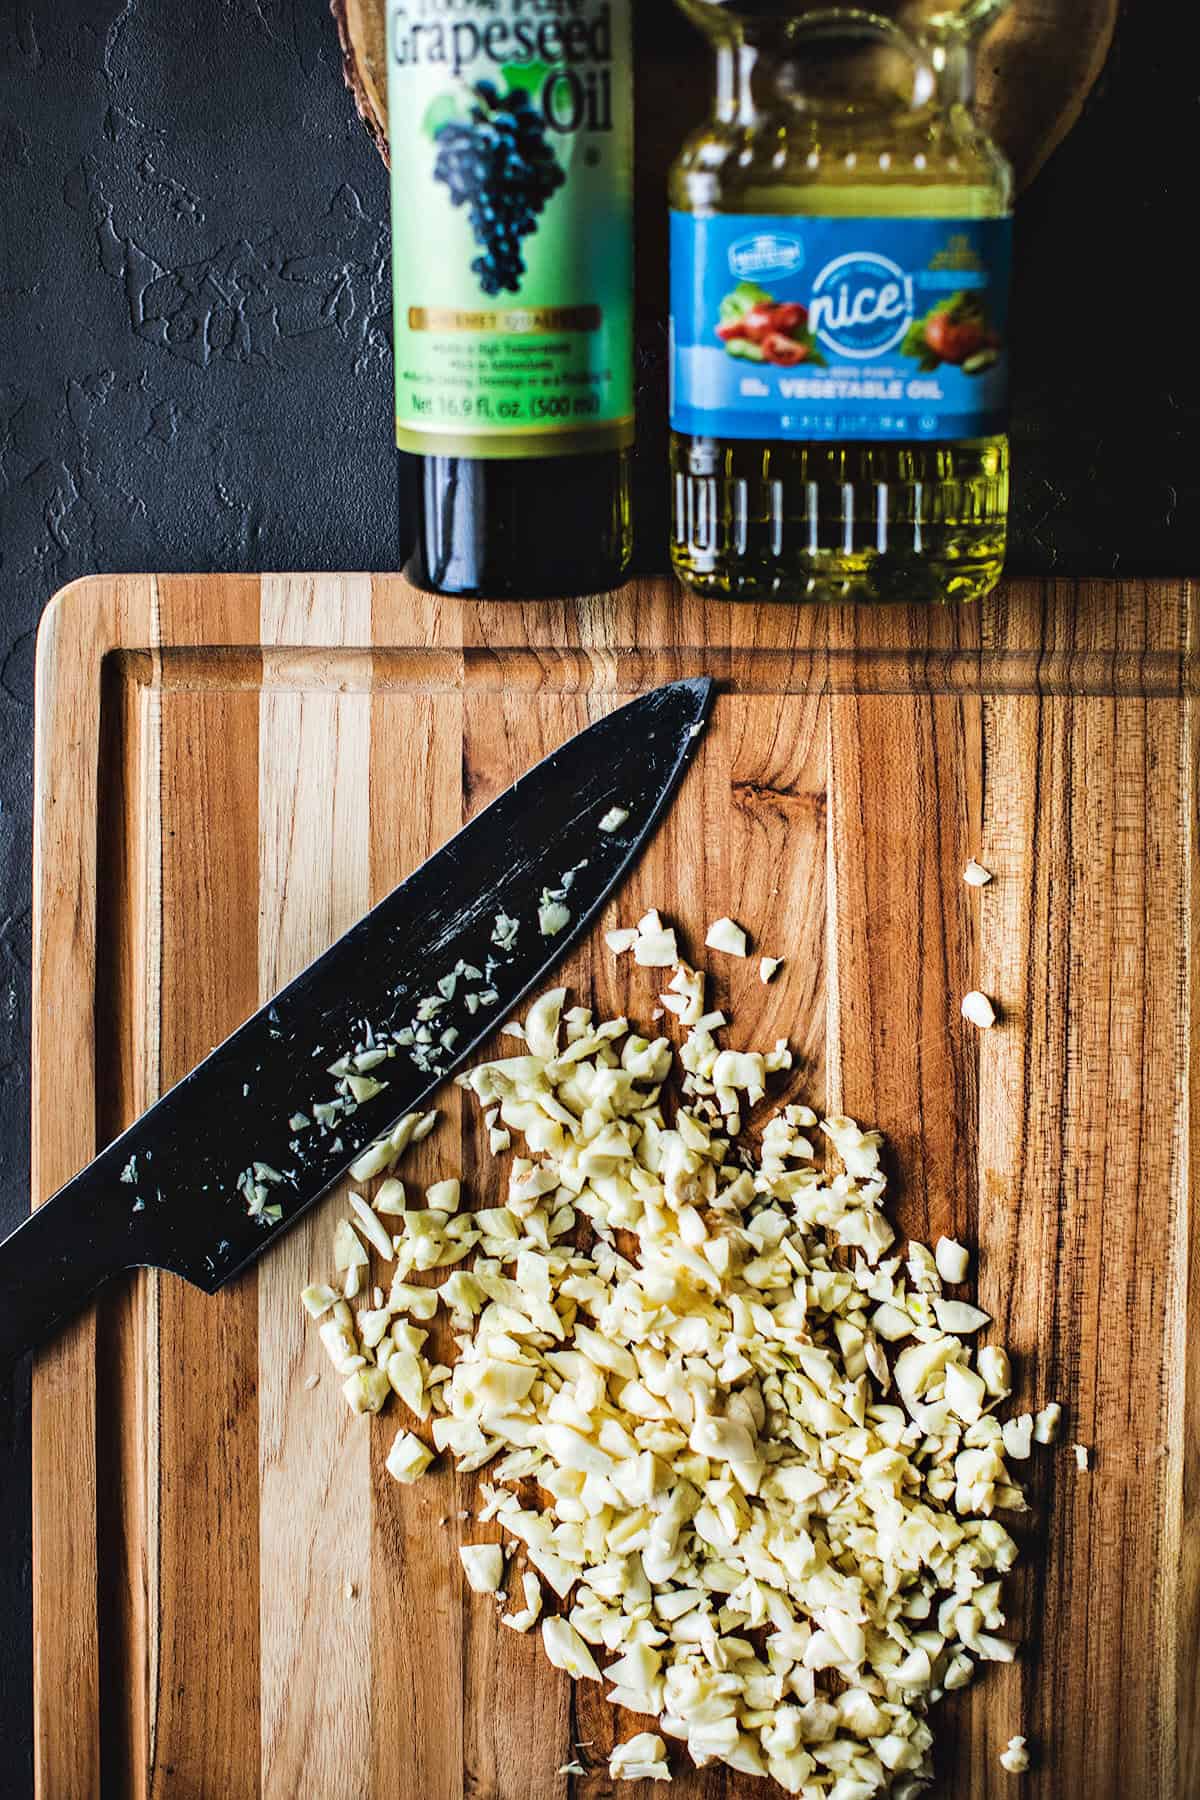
[194, 374]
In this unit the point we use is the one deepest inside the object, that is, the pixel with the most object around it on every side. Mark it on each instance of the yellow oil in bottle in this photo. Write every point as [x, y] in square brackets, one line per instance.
[844, 144]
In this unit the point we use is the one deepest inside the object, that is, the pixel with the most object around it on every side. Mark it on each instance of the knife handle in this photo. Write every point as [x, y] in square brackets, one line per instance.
[55, 1260]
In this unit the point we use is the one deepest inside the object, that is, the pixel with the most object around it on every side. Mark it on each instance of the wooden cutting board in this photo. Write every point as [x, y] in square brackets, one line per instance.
[1036, 69]
[232, 1597]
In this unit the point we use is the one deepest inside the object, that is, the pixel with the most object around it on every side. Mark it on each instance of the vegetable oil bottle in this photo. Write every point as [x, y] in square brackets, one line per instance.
[511, 132]
[839, 295]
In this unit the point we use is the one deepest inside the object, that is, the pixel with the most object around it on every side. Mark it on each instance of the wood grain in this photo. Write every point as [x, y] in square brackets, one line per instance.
[1036, 69]
[236, 1598]
[202, 1536]
[418, 1616]
[313, 882]
[66, 759]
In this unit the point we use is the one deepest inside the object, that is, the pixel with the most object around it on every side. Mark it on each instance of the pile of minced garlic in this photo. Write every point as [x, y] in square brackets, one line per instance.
[767, 1449]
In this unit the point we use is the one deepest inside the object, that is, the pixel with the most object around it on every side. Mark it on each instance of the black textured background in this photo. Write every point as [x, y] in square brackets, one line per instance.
[194, 375]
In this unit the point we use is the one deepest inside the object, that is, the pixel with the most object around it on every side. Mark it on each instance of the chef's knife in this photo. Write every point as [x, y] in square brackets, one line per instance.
[235, 1152]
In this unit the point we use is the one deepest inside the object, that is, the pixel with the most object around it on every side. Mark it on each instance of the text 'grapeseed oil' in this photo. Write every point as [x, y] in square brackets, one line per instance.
[840, 248]
[510, 124]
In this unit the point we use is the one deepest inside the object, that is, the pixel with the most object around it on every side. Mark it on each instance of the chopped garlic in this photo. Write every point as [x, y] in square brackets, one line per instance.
[655, 950]
[527, 1618]
[371, 1228]
[724, 934]
[366, 1390]
[978, 1009]
[504, 931]
[374, 1159]
[553, 917]
[365, 1087]
[567, 1650]
[768, 967]
[621, 940]
[1047, 1424]
[444, 1196]
[614, 818]
[952, 1260]
[975, 875]
[642, 1758]
[959, 1317]
[542, 1025]
[373, 1325]
[1083, 1457]
[736, 1069]
[348, 1250]
[685, 995]
[654, 947]
[484, 1566]
[342, 1345]
[1016, 1758]
[996, 1369]
[1018, 1436]
[892, 1323]
[391, 1199]
[418, 1302]
[408, 1458]
[318, 1299]
[738, 1486]
[386, 1151]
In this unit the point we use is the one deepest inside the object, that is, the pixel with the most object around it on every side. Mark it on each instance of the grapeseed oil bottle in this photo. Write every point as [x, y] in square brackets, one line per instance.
[511, 132]
[840, 248]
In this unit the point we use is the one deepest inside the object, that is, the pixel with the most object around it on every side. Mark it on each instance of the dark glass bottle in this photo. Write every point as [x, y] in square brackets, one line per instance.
[494, 528]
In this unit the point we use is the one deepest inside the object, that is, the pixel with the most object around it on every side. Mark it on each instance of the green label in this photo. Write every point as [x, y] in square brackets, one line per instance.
[511, 128]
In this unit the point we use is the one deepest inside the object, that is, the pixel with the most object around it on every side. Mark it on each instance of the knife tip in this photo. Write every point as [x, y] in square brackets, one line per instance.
[700, 690]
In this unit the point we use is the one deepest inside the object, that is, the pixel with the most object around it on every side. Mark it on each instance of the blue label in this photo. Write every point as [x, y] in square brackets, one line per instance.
[797, 327]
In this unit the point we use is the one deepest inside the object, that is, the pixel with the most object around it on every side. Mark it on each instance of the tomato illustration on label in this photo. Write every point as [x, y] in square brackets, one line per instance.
[852, 329]
[957, 331]
[755, 326]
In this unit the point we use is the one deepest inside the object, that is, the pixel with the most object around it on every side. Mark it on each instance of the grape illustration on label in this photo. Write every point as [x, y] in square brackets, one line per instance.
[497, 162]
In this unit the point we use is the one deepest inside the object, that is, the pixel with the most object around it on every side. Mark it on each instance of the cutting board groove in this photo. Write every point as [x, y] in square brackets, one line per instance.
[232, 1599]
[627, 669]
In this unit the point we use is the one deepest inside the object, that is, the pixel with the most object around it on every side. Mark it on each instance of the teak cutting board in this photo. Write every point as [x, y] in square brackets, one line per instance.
[232, 1596]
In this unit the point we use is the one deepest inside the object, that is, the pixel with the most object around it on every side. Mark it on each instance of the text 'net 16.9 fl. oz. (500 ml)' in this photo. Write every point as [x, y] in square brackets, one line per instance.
[511, 133]
[840, 246]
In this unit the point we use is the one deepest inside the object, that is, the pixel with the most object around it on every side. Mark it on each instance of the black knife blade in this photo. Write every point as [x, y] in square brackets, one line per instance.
[233, 1154]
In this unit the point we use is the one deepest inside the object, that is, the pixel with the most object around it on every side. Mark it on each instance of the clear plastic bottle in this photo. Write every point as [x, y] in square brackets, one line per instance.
[839, 294]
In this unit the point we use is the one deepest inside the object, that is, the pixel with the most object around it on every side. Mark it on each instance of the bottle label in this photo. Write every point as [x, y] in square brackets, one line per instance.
[850, 328]
[511, 132]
